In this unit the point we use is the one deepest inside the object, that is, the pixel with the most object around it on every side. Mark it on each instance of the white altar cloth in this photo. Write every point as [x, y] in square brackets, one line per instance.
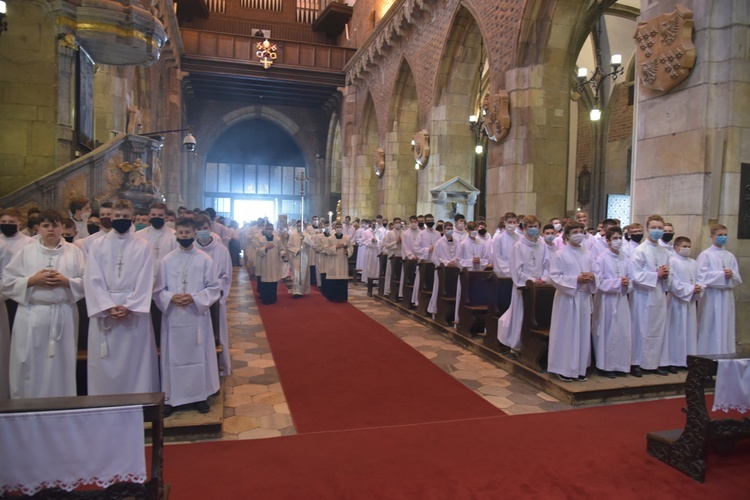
[70, 448]
[732, 385]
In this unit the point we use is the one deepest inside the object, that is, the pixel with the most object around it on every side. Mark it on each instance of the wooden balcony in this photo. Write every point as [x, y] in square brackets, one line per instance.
[225, 66]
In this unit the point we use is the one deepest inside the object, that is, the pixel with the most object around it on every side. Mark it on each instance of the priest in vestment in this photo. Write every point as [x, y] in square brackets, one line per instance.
[186, 287]
[339, 248]
[528, 261]
[269, 254]
[298, 261]
[210, 243]
[719, 273]
[611, 325]
[119, 280]
[46, 279]
[649, 301]
[570, 327]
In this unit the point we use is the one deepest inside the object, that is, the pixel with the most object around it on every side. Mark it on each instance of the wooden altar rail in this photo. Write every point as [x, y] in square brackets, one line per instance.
[242, 48]
[153, 406]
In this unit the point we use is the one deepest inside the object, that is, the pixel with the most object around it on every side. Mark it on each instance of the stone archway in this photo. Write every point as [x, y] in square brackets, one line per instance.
[398, 186]
[361, 190]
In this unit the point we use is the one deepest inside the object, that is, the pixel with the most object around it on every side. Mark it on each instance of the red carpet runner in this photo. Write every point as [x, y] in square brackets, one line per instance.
[339, 369]
[590, 453]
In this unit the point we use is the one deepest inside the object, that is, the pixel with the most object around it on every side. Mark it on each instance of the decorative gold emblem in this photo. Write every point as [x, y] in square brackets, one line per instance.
[266, 53]
[665, 49]
[496, 115]
[422, 147]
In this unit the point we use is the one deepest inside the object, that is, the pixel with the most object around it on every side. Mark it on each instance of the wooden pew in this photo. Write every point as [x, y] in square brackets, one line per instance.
[502, 292]
[396, 264]
[153, 406]
[537, 316]
[410, 274]
[446, 302]
[426, 281]
[476, 293]
[352, 262]
[383, 262]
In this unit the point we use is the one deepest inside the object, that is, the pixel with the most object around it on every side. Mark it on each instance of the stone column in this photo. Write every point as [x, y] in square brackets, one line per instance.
[691, 141]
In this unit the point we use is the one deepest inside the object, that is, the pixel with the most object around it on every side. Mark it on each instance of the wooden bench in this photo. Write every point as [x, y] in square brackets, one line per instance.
[410, 275]
[537, 316]
[476, 294]
[153, 406]
[396, 264]
[502, 292]
[382, 262]
[446, 302]
[426, 271]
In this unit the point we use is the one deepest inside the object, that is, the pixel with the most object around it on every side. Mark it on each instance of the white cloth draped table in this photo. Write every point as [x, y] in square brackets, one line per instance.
[732, 385]
[70, 448]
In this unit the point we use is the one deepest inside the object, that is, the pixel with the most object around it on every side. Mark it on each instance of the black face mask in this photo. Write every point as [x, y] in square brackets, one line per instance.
[9, 230]
[636, 237]
[482, 232]
[421, 225]
[122, 226]
[157, 222]
[106, 222]
[92, 228]
[69, 239]
[429, 224]
[626, 236]
[185, 242]
[667, 237]
[439, 228]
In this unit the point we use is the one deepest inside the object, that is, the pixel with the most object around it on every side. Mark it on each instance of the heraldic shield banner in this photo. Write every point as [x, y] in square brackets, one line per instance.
[665, 49]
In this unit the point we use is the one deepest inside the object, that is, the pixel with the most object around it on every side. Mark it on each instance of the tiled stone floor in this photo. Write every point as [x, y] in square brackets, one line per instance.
[254, 403]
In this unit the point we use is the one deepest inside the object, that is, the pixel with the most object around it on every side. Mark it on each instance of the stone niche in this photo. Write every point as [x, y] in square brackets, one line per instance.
[452, 197]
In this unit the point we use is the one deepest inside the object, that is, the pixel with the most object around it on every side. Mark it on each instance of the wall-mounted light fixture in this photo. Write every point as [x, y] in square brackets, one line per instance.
[599, 76]
[3, 15]
[476, 125]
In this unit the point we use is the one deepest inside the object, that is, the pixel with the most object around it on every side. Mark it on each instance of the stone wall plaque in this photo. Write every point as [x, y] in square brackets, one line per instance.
[422, 147]
[665, 50]
[496, 113]
[378, 162]
[743, 225]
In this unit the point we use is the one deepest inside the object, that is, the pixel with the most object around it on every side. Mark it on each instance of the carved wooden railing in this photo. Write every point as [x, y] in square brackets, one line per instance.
[93, 175]
[207, 44]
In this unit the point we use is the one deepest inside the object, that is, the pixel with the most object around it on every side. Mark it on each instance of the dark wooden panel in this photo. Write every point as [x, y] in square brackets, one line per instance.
[306, 55]
[243, 49]
[225, 46]
[207, 44]
[743, 228]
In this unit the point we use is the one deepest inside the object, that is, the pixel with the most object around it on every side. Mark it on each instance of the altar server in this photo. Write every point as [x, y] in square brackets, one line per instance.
[338, 249]
[424, 246]
[186, 287]
[118, 281]
[13, 238]
[528, 261]
[682, 319]
[269, 255]
[718, 272]
[570, 330]
[649, 301]
[46, 279]
[472, 253]
[105, 226]
[210, 243]
[392, 248]
[159, 237]
[298, 261]
[502, 245]
[611, 326]
[444, 253]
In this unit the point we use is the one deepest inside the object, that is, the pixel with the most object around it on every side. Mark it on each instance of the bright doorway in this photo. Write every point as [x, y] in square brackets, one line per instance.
[252, 210]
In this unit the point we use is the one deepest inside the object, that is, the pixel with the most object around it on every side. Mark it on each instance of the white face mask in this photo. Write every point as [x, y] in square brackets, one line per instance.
[577, 238]
[449, 232]
[473, 234]
[460, 226]
[684, 251]
[169, 224]
[397, 227]
[616, 244]
[85, 215]
[203, 235]
[511, 227]
[557, 227]
[549, 238]
[339, 230]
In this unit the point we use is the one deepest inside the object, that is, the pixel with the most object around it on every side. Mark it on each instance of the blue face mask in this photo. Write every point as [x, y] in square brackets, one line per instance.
[721, 240]
[655, 234]
[533, 232]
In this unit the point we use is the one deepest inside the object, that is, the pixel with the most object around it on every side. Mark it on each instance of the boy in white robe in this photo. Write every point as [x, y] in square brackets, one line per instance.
[160, 238]
[649, 300]
[409, 249]
[682, 321]
[472, 253]
[370, 264]
[549, 235]
[209, 242]
[570, 331]
[424, 246]
[119, 281]
[186, 287]
[720, 275]
[392, 247]
[528, 261]
[444, 253]
[5, 257]
[269, 254]
[502, 245]
[611, 326]
[338, 249]
[46, 279]
[298, 261]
